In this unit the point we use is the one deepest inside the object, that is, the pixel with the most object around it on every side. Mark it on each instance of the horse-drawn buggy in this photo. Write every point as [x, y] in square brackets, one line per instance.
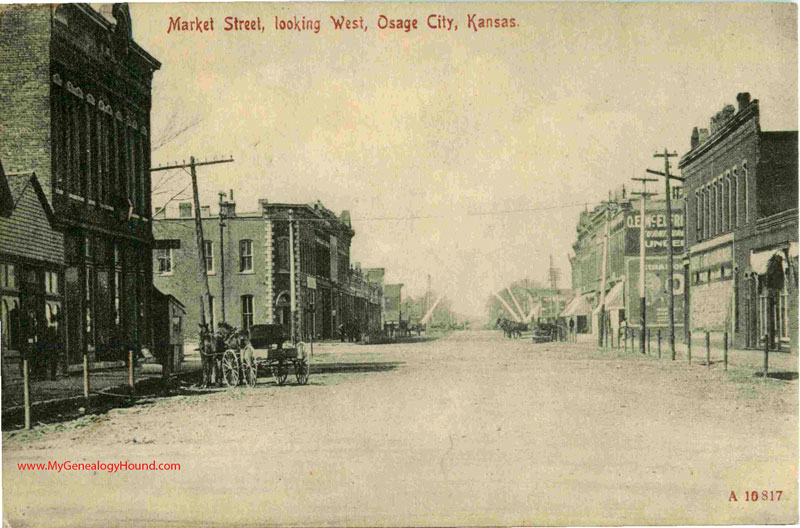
[549, 331]
[235, 356]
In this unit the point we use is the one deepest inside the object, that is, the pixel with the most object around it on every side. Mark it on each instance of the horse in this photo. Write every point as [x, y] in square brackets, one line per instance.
[511, 329]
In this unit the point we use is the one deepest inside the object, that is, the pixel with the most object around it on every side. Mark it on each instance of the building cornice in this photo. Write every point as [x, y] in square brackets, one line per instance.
[751, 111]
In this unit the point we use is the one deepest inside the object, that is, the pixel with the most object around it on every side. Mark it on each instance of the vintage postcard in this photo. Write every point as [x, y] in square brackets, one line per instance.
[399, 264]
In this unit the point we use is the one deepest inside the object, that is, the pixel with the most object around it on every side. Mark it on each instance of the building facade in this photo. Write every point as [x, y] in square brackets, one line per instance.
[622, 297]
[31, 268]
[248, 263]
[740, 263]
[76, 111]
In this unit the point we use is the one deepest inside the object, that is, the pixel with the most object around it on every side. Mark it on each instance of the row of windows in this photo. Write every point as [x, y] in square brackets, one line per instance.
[97, 155]
[164, 258]
[247, 310]
[717, 203]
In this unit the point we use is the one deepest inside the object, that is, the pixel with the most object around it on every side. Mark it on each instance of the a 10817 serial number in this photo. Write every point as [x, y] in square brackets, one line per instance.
[755, 496]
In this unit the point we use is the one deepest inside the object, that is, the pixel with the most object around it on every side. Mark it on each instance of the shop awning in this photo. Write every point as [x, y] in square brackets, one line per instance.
[759, 262]
[580, 305]
[614, 298]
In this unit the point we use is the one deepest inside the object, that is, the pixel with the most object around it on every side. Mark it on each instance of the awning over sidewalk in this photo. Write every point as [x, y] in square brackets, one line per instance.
[580, 305]
[614, 298]
[759, 262]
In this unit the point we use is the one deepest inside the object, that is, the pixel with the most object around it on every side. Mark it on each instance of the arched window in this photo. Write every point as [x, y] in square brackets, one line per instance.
[745, 192]
[734, 197]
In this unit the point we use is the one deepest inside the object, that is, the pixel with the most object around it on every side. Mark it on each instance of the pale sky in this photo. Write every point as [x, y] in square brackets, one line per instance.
[542, 117]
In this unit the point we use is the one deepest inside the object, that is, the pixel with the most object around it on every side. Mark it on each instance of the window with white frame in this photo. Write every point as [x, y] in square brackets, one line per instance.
[51, 282]
[164, 260]
[698, 217]
[209, 256]
[745, 192]
[245, 255]
[734, 197]
[247, 311]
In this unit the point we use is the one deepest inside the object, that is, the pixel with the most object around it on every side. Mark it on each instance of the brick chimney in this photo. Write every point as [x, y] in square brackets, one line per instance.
[743, 99]
[702, 135]
[345, 218]
[695, 141]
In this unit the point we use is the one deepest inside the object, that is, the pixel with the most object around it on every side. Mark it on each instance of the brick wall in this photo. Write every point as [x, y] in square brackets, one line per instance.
[183, 282]
[25, 36]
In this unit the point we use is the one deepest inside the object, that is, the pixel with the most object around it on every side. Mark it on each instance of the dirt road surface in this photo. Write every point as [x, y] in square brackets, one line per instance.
[470, 429]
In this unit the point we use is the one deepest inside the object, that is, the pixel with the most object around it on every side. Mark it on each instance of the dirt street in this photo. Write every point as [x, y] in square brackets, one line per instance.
[470, 429]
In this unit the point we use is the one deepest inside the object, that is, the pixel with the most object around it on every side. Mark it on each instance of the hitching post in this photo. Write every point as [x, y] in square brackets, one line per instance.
[659, 343]
[725, 351]
[26, 390]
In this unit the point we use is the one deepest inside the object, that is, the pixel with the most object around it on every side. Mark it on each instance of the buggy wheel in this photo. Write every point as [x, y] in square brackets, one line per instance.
[301, 371]
[230, 368]
[280, 372]
[250, 372]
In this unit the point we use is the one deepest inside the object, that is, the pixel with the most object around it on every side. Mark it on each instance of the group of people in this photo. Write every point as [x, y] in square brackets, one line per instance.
[34, 340]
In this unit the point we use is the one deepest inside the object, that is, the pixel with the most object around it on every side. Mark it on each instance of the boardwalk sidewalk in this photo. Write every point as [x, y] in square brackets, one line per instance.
[70, 387]
[779, 361]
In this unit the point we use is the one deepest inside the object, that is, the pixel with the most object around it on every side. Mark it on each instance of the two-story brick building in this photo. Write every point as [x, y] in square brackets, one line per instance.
[249, 268]
[741, 238]
[75, 110]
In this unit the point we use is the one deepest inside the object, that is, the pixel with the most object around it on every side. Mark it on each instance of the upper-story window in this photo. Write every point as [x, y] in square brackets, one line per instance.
[734, 196]
[745, 192]
[245, 256]
[698, 217]
[283, 254]
[209, 256]
[164, 261]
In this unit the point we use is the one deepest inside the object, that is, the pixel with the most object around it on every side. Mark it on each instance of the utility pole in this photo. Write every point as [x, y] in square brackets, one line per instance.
[667, 176]
[222, 251]
[292, 276]
[198, 223]
[642, 224]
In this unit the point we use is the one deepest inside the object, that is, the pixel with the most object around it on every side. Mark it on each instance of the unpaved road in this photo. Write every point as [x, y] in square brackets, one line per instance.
[470, 429]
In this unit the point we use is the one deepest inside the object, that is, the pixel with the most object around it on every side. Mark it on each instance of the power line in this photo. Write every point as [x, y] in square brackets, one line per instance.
[435, 217]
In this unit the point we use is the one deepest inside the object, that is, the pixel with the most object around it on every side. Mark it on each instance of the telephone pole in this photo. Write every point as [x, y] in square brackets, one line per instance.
[205, 298]
[222, 252]
[667, 177]
[642, 290]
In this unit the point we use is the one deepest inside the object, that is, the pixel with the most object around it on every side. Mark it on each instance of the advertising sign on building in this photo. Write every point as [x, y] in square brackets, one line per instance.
[656, 292]
[655, 232]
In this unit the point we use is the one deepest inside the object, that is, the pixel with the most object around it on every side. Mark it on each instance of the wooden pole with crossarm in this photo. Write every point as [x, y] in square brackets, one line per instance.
[201, 246]
[642, 225]
[667, 155]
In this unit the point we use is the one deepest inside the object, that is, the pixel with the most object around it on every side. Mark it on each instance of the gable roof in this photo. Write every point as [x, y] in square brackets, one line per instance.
[13, 187]
[6, 196]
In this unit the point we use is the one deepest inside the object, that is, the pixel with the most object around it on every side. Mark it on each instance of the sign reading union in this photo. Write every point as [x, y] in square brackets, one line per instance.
[655, 232]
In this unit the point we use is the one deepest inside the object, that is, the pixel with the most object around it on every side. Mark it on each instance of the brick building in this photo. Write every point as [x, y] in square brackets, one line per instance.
[76, 111]
[741, 238]
[622, 272]
[249, 258]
